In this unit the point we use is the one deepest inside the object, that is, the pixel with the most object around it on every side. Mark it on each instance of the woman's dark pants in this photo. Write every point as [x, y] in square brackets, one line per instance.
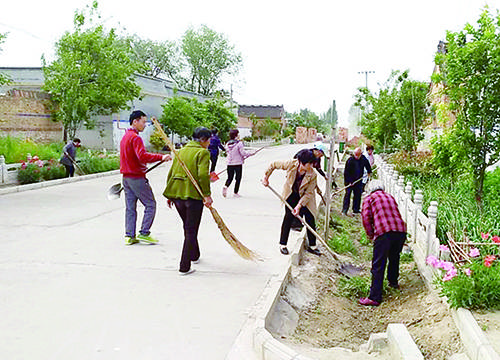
[293, 200]
[190, 211]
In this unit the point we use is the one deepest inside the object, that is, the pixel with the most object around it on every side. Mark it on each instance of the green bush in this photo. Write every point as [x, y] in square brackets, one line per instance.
[29, 173]
[480, 290]
[52, 170]
[353, 287]
[91, 164]
[416, 163]
[16, 149]
[342, 244]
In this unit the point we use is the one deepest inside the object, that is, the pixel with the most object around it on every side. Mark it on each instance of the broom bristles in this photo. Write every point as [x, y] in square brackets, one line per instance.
[237, 246]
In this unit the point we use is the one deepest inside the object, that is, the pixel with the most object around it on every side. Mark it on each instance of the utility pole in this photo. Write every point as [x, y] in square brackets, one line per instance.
[366, 72]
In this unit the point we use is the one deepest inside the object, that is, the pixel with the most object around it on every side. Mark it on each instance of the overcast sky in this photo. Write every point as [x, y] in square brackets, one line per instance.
[300, 54]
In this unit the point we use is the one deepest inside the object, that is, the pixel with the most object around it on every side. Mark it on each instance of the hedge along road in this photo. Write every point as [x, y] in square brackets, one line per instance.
[71, 289]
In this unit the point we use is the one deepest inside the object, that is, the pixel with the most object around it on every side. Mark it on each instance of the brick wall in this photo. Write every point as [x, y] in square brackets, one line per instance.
[25, 113]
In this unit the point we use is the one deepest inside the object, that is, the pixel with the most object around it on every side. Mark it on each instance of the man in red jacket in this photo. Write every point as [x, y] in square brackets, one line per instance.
[133, 160]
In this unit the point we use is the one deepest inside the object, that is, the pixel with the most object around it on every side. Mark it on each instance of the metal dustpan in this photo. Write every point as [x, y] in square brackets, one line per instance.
[114, 192]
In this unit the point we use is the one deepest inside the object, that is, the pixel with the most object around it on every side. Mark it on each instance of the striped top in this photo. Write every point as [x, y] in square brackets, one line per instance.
[381, 214]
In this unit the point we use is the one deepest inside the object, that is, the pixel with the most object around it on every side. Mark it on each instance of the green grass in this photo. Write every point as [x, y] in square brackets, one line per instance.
[16, 149]
[342, 244]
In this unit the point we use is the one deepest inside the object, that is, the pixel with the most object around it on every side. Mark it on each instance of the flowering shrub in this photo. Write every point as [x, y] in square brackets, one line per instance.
[474, 285]
[29, 173]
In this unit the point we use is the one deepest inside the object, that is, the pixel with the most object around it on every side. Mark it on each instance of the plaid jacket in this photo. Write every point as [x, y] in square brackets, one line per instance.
[381, 214]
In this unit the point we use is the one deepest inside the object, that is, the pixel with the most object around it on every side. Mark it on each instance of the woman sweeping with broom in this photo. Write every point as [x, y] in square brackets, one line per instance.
[187, 200]
[298, 192]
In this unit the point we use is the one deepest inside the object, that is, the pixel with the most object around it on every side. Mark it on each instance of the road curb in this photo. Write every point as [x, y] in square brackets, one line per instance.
[43, 184]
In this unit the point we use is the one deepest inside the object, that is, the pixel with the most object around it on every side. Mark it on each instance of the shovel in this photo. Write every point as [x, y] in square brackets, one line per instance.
[115, 190]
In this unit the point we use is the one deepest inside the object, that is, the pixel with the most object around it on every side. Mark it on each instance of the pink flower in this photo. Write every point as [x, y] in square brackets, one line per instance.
[432, 260]
[450, 274]
[496, 239]
[467, 271]
[485, 236]
[444, 248]
[448, 266]
[488, 260]
[474, 252]
[35, 158]
[23, 165]
[39, 163]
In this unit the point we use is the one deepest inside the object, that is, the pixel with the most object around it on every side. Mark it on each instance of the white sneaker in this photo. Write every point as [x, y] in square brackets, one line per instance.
[187, 272]
[224, 191]
[236, 195]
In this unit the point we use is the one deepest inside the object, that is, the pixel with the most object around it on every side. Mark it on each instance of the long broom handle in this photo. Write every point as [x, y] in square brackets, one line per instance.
[345, 187]
[172, 147]
[248, 156]
[74, 162]
[335, 256]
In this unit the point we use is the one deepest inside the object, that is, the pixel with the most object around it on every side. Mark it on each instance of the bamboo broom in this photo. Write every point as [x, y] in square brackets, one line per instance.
[240, 249]
[333, 253]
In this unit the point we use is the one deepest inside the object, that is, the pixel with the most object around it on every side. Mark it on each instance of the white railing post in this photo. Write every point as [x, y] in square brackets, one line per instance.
[395, 176]
[418, 199]
[432, 240]
[3, 169]
[408, 189]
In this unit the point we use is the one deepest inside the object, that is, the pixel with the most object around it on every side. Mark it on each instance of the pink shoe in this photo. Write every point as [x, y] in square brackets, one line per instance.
[236, 195]
[224, 191]
[368, 302]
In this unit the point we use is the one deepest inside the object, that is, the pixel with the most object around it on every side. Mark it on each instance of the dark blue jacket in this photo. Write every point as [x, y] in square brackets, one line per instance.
[215, 145]
[354, 169]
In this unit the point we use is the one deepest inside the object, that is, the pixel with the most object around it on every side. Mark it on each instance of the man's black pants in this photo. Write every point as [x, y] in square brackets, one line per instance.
[190, 211]
[356, 190]
[70, 170]
[386, 247]
[293, 200]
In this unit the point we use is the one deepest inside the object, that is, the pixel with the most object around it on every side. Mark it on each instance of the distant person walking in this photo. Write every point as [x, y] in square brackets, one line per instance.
[298, 191]
[385, 227]
[181, 192]
[236, 156]
[214, 147]
[133, 160]
[68, 158]
[371, 160]
[353, 174]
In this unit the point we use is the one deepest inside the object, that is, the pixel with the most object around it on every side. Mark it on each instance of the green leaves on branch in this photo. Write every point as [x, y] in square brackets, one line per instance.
[92, 74]
[395, 116]
[4, 79]
[182, 115]
[470, 70]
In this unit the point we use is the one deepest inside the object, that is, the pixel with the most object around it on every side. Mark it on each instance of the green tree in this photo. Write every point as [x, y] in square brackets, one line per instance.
[180, 115]
[394, 117]
[92, 73]
[4, 79]
[470, 70]
[331, 116]
[209, 57]
[158, 58]
[219, 116]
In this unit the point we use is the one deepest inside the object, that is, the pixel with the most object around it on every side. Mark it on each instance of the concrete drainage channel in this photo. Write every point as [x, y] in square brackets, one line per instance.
[274, 315]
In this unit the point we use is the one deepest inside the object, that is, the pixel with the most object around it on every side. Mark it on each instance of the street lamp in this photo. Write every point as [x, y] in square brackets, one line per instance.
[366, 72]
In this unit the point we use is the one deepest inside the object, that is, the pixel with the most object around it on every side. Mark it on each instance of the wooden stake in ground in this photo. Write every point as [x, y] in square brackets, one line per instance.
[333, 253]
[240, 249]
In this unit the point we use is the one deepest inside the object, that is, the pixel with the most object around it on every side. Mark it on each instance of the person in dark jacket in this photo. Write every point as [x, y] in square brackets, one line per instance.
[133, 160]
[353, 173]
[318, 151]
[187, 200]
[385, 227]
[214, 147]
[69, 156]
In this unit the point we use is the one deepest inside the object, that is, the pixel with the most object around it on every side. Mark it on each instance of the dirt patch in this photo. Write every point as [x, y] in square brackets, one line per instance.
[332, 320]
[489, 322]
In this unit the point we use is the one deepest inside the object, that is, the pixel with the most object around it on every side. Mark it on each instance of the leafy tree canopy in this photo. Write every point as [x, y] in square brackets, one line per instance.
[92, 73]
[470, 70]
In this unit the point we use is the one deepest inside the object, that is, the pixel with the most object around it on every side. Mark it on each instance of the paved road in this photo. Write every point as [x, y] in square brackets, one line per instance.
[70, 288]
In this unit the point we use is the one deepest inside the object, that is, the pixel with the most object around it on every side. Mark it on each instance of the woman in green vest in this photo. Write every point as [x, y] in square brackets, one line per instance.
[187, 200]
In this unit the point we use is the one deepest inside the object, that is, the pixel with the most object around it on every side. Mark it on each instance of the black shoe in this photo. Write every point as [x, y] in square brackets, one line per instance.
[284, 251]
[313, 251]
[394, 286]
[356, 212]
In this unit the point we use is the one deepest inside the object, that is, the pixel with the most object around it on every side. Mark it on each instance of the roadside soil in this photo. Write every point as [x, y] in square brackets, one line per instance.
[332, 320]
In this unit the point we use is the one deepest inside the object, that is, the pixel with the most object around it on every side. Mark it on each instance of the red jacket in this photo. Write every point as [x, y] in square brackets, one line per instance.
[133, 155]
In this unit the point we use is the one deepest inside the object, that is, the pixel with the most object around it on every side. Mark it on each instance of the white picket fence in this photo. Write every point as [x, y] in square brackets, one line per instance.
[421, 228]
[8, 172]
